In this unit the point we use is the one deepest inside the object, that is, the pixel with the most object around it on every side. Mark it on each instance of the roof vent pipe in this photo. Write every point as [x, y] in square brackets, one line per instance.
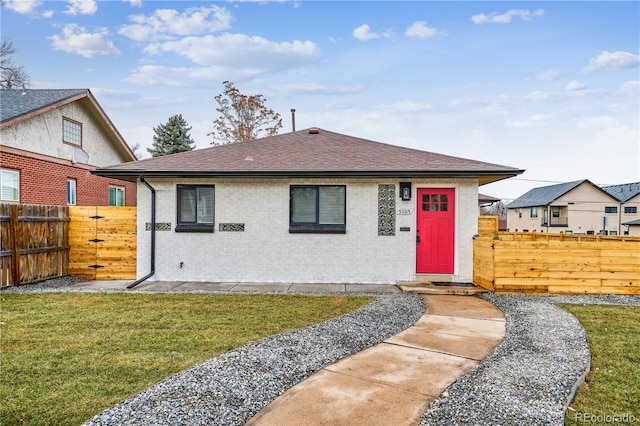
[153, 235]
[293, 119]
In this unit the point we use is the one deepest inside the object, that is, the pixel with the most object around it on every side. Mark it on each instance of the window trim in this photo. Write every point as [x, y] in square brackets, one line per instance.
[75, 192]
[193, 227]
[17, 172]
[630, 210]
[533, 212]
[63, 132]
[316, 228]
[611, 209]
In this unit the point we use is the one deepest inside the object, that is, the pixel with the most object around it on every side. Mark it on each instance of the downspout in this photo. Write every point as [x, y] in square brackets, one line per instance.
[153, 234]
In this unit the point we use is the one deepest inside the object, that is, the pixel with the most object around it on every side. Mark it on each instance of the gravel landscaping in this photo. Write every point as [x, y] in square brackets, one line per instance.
[529, 379]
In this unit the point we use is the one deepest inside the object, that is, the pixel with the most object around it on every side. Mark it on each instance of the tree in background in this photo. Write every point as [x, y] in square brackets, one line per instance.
[242, 117]
[172, 137]
[11, 73]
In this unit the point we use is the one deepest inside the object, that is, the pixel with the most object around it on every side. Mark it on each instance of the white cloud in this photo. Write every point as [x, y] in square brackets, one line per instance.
[630, 88]
[408, 106]
[419, 29]
[47, 14]
[22, 6]
[135, 3]
[549, 75]
[505, 18]
[363, 33]
[574, 85]
[169, 22]
[76, 39]
[612, 61]
[317, 89]
[81, 7]
[182, 76]
[240, 52]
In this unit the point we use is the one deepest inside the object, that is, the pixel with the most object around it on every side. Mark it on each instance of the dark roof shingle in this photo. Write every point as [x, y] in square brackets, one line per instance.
[17, 102]
[304, 153]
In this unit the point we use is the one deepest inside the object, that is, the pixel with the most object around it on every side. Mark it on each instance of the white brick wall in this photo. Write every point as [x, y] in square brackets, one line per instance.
[267, 252]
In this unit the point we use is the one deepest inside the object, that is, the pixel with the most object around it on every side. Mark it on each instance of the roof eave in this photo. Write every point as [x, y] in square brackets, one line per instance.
[484, 177]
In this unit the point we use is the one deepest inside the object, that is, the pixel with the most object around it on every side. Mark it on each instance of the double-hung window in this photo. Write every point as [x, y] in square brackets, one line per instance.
[317, 209]
[116, 196]
[534, 212]
[9, 185]
[195, 208]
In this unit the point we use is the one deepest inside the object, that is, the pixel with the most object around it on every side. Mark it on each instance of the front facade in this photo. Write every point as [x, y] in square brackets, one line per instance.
[578, 207]
[51, 140]
[307, 207]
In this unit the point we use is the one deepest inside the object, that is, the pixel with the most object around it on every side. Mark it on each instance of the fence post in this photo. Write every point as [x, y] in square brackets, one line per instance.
[14, 231]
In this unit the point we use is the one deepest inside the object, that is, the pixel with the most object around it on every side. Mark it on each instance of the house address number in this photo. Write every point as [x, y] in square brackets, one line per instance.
[405, 212]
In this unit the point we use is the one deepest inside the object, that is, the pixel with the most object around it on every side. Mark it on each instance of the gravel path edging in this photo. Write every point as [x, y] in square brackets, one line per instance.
[233, 387]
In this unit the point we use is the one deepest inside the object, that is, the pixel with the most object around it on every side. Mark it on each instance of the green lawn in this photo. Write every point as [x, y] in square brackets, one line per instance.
[612, 387]
[67, 356]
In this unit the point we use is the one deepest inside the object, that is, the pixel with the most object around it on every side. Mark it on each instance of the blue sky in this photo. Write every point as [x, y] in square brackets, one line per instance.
[550, 87]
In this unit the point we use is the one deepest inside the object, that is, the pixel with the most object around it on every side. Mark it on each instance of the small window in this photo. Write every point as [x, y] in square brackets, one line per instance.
[520, 213]
[320, 209]
[71, 192]
[71, 132]
[555, 211]
[614, 233]
[611, 209]
[116, 196]
[534, 212]
[9, 185]
[631, 209]
[195, 208]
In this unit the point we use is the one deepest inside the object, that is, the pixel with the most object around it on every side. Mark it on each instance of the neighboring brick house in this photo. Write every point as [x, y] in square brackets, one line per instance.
[307, 206]
[578, 207]
[50, 140]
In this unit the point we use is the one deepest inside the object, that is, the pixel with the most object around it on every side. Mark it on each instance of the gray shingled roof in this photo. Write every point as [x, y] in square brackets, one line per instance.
[544, 195]
[623, 192]
[310, 153]
[17, 102]
[633, 222]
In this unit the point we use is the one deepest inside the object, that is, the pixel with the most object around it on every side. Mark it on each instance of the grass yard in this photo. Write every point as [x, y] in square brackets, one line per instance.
[67, 356]
[612, 388]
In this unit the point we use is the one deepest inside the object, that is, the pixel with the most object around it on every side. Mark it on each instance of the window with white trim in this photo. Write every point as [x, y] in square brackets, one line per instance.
[196, 204]
[71, 132]
[116, 196]
[71, 192]
[534, 212]
[317, 209]
[9, 185]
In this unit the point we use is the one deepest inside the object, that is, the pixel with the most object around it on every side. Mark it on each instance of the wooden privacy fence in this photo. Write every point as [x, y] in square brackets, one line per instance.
[512, 262]
[34, 243]
[103, 242]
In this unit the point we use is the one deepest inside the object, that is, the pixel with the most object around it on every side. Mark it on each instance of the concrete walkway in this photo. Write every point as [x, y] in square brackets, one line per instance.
[237, 287]
[394, 382]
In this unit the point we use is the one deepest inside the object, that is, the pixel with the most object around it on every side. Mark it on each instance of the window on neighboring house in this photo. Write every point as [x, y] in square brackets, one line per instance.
[631, 209]
[317, 208]
[9, 185]
[611, 209]
[71, 132]
[195, 208]
[71, 192]
[116, 196]
[534, 212]
[555, 211]
[520, 213]
[614, 233]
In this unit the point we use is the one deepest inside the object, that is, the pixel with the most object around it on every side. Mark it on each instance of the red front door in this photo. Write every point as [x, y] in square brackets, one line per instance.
[435, 231]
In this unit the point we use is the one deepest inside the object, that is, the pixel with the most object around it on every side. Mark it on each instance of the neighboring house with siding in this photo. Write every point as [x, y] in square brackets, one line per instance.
[50, 140]
[307, 206]
[578, 207]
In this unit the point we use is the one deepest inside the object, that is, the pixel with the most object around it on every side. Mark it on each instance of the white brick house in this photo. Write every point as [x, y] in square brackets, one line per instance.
[310, 206]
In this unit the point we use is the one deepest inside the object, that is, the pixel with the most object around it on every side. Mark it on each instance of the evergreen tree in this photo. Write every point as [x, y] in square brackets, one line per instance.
[172, 137]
